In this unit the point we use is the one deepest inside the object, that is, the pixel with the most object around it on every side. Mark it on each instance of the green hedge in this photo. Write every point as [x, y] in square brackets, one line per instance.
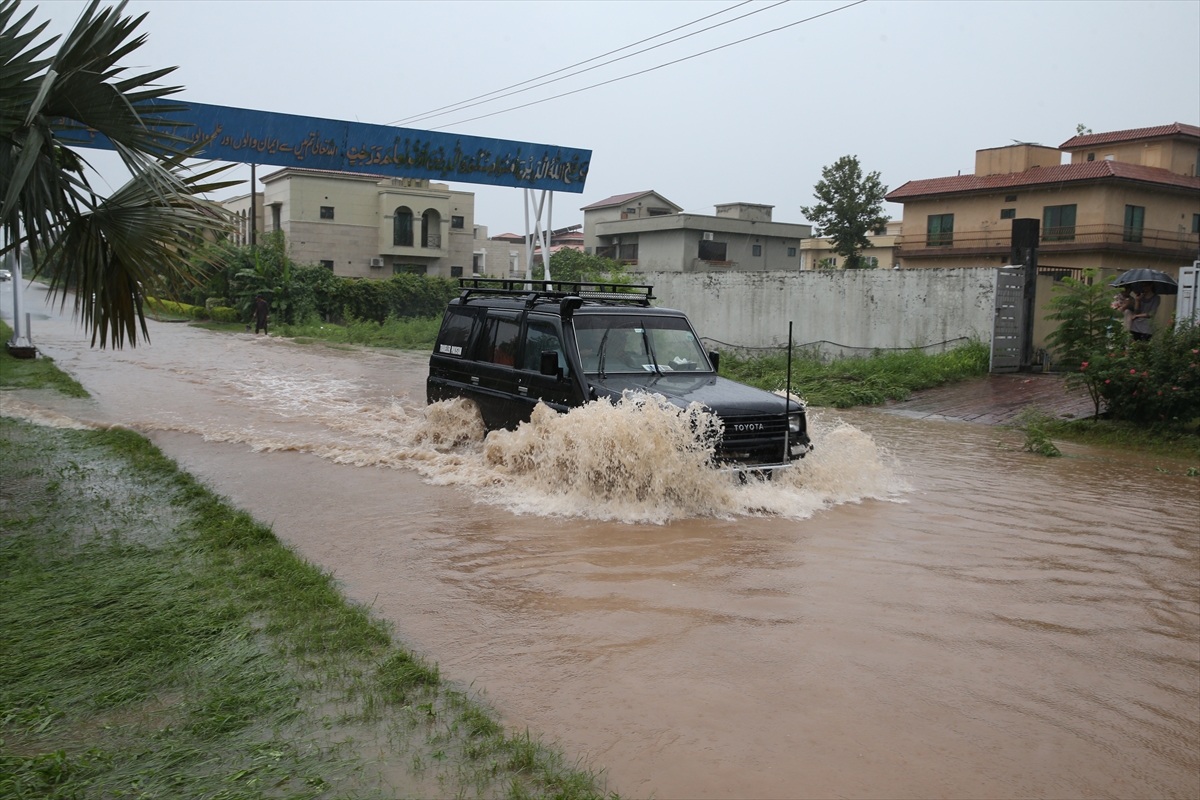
[401, 296]
[174, 309]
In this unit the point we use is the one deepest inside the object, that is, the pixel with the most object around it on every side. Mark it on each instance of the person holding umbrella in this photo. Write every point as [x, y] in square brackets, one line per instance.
[1145, 307]
[1150, 283]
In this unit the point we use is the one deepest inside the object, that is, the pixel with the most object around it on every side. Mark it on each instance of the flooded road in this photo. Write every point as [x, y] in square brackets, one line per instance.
[914, 612]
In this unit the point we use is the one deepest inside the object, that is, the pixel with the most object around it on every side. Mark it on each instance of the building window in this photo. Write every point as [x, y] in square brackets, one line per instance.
[326, 212]
[631, 211]
[1058, 223]
[1195, 223]
[629, 252]
[791, 252]
[1091, 156]
[327, 264]
[1135, 220]
[1010, 198]
[712, 251]
[456, 272]
[939, 230]
[456, 222]
[756, 250]
[409, 269]
[402, 228]
[1008, 213]
[657, 212]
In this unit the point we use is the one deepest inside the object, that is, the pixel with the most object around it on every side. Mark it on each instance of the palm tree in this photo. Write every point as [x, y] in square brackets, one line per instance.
[109, 251]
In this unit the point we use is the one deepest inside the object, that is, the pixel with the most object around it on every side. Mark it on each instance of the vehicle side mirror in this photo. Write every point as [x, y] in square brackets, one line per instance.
[549, 365]
[714, 358]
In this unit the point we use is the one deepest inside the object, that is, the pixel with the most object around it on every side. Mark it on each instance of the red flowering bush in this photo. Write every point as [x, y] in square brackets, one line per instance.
[1150, 382]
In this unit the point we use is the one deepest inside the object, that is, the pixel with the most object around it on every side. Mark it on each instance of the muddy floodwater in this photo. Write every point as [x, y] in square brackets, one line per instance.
[914, 612]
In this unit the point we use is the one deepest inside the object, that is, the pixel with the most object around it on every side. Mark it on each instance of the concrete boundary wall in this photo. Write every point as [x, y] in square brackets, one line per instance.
[858, 308]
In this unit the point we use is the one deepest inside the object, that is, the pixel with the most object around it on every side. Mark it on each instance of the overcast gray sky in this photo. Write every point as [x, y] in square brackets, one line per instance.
[911, 88]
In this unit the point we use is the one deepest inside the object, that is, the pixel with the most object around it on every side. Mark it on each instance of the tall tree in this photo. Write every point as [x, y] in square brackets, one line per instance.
[110, 251]
[849, 206]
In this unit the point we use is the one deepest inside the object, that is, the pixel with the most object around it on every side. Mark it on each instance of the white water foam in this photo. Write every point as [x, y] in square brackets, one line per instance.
[639, 460]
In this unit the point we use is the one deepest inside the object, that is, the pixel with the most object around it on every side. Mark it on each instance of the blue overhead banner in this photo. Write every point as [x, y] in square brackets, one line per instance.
[288, 140]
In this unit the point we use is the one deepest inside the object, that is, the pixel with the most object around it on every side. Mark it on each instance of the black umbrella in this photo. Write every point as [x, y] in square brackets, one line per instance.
[1163, 283]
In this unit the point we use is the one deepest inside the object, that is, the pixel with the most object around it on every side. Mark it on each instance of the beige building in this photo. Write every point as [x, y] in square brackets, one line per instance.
[650, 234]
[882, 254]
[1127, 199]
[498, 256]
[240, 207]
[368, 226]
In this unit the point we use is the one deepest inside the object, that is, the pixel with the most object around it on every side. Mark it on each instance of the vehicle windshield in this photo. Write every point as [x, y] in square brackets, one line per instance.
[628, 343]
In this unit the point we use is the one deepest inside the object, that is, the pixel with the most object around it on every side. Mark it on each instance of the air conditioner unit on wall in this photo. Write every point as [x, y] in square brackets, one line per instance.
[708, 236]
[377, 263]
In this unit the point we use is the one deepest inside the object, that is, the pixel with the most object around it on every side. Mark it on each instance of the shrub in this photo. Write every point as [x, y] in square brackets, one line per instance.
[224, 314]
[1087, 320]
[171, 308]
[1155, 382]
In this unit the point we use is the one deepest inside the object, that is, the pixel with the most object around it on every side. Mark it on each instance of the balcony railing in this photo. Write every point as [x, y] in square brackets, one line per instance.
[433, 241]
[1071, 237]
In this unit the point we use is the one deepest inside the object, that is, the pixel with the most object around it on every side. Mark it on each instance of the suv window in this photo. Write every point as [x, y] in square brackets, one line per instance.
[627, 343]
[499, 344]
[540, 336]
[456, 332]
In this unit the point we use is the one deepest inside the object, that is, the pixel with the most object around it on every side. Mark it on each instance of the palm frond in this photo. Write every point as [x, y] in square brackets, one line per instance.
[108, 250]
[133, 244]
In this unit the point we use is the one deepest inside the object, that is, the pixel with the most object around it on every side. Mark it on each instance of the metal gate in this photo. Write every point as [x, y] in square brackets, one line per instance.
[1009, 322]
[1187, 305]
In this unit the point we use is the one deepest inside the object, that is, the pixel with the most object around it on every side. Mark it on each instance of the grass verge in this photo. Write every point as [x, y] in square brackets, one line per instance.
[34, 373]
[859, 381]
[158, 643]
[401, 334]
[1167, 442]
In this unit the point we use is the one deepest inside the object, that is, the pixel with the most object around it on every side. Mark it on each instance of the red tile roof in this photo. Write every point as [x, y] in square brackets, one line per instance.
[622, 199]
[1064, 173]
[1111, 137]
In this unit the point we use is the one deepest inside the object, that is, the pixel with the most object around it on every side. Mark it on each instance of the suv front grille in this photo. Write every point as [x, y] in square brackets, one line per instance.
[753, 428]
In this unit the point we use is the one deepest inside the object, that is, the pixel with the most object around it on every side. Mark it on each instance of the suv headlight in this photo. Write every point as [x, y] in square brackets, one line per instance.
[793, 423]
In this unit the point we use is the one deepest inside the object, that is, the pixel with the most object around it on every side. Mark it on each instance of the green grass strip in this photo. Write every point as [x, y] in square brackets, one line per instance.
[850, 382]
[156, 642]
[33, 373]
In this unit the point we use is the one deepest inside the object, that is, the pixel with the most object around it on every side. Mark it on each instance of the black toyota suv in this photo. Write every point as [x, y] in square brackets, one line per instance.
[511, 344]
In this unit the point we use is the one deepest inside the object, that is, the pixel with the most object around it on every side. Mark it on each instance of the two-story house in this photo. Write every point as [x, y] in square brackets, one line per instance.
[649, 233]
[368, 226]
[1127, 199]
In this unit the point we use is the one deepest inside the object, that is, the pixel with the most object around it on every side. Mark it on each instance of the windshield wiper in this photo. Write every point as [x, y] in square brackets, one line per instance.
[603, 342]
[650, 349]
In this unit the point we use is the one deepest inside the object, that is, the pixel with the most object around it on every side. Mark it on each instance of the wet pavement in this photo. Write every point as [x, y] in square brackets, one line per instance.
[997, 399]
[919, 611]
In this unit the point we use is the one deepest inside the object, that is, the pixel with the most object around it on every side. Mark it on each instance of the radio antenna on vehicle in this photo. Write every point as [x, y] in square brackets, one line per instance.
[787, 414]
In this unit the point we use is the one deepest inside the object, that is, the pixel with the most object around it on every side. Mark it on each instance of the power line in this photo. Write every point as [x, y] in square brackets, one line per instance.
[651, 69]
[572, 66]
[465, 104]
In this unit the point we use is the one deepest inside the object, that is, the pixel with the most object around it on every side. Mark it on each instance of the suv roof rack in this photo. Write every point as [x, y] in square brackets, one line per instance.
[532, 291]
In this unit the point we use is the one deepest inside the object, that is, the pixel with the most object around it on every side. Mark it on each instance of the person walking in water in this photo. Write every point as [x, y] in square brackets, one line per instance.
[262, 313]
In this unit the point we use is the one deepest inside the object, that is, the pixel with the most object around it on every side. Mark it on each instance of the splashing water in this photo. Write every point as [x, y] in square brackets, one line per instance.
[640, 459]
